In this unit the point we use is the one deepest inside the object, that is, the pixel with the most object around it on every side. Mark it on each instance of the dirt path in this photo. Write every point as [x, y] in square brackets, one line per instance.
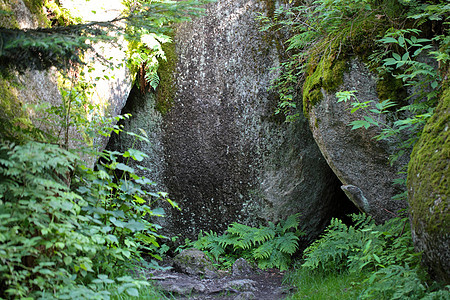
[260, 285]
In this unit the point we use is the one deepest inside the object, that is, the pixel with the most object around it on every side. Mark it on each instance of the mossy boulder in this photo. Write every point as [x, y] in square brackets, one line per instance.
[429, 190]
[356, 157]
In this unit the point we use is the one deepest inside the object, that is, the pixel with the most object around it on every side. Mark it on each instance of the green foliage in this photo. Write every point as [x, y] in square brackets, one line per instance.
[363, 246]
[405, 59]
[403, 132]
[320, 32]
[269, 246]
[62, 46]
[331, 285]
[63, 237]
[146, 56]
[401, 282]
[364, 261]
[326, 31]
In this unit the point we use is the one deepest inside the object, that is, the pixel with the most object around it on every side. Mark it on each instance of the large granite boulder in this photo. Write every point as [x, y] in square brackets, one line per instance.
[429, 190]
[356, 157]
[219, 151]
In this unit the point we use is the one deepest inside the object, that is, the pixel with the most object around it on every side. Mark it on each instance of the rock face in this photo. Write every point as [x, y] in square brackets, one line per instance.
[429, 190]
[226, 157]
[359, 161]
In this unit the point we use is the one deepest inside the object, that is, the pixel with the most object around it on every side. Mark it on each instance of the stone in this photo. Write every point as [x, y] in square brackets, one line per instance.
[218, 150]
[245, 296]
[194, 262]
[242, 285]
[241, 268]
[429, 190]
[356, 157]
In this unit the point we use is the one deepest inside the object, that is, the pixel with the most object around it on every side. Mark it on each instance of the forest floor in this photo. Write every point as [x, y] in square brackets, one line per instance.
[257, 284]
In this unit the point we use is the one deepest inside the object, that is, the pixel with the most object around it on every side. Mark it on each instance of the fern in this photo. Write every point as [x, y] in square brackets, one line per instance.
[364, 245]
[269, 246]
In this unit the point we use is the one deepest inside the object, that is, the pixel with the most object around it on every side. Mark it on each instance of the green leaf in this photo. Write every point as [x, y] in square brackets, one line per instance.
[132, 292]
[396, 56]
[389, 40]
[123, 167]
[135, 154]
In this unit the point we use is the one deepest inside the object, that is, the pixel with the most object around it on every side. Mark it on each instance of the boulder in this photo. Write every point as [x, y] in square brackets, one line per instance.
[219, 151]
[241, 268]
[356, 157]
[429, 190]
[194, 262]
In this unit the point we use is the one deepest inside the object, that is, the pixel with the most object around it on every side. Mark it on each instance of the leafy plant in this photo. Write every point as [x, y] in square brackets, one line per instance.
[62, 46]
[364, 261]
[362, 246]
[66, 236]
[315, 30]
[400, 282]
[269, 246]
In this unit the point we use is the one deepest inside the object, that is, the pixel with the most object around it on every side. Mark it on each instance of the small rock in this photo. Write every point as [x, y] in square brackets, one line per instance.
[195, 262]
[241, 268]
[245, 296]
[240, 285]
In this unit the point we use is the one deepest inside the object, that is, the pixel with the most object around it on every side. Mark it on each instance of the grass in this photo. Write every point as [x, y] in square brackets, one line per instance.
[314, 285]
[145, 293]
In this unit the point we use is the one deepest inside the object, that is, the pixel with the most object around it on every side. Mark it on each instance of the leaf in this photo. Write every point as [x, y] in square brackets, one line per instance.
[123, 167]
[359, 123]
[132, 292]
[67, 260]
[135, 154]
[396, 56]
[389, 40]
[377, 258]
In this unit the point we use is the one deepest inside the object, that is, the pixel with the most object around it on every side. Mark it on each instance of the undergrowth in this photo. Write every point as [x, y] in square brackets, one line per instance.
[364, 261]
[268, 246]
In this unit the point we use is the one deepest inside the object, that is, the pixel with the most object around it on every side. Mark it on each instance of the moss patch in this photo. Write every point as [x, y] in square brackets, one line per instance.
[328, 74]
[7, 17]
[36, 8]
[10, 107]
[429, 173]
[391, 88]
[166, 90]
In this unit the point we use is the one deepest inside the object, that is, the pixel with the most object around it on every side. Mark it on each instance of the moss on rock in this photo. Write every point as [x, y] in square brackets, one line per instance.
[166, 89]
[10, 107]
[328, 74]
[391, 88]
[36, 8]
[7, 17]
[429, 188]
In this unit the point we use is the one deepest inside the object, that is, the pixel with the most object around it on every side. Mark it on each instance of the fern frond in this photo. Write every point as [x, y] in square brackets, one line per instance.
[291, 222]
[239, 229]
[264, 251]
[216, 250]
[263, 234]
[287, 243]
[152, 78]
